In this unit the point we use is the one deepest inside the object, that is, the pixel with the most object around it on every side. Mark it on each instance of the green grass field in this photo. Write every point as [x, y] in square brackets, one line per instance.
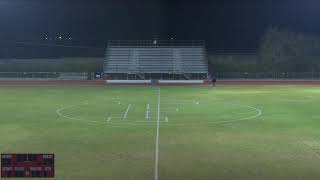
[252, 132]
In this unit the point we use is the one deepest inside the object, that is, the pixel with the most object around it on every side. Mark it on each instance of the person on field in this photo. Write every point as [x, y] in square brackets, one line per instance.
[214, 81]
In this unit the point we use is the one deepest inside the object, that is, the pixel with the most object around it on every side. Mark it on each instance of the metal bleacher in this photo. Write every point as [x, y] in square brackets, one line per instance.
[156, 57]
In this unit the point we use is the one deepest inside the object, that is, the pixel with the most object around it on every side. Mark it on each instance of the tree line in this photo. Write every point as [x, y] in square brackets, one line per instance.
[280, 50]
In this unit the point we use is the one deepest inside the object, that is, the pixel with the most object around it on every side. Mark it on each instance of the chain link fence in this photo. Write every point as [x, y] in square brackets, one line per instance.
[218, 75]
[268, 75]
[44, 76]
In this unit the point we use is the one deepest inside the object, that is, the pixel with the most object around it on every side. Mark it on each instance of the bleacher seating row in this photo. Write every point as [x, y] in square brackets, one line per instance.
[135, 60]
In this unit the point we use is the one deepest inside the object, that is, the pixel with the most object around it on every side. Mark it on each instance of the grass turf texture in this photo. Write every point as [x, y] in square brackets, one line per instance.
[262, 132]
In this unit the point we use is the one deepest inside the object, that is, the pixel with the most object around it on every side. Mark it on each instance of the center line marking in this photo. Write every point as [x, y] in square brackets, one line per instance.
[157, 140]
[125, 115]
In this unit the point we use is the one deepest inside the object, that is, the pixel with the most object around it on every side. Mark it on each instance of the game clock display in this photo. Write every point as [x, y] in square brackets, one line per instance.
[27, 165]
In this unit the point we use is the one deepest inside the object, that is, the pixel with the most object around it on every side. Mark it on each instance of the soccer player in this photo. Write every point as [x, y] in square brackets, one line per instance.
[214, 81]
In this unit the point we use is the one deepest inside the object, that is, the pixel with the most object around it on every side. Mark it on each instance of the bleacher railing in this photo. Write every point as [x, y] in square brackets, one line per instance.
[150, 43]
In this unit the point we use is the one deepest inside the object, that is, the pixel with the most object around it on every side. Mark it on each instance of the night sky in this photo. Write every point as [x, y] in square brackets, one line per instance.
[226, 25]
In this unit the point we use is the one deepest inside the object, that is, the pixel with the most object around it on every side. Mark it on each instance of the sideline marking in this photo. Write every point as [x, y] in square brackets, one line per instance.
[157, 140]
[125, 115]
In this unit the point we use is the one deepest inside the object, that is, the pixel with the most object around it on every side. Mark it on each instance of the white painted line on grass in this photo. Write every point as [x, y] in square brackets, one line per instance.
[147, 112]
[258, 113]
[156, 163]
[125, 115]
[59, 112]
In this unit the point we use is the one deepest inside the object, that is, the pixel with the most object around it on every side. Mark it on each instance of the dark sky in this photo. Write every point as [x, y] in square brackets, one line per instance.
[224, 24]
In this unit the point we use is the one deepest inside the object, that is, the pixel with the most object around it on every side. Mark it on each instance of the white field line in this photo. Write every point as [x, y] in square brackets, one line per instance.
[257, 110]
[128, 108]
[156, 162]
[258, 113]
[147, 112]
[59, 112]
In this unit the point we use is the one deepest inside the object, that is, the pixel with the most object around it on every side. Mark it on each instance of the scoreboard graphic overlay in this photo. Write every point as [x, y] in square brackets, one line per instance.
[27, 165]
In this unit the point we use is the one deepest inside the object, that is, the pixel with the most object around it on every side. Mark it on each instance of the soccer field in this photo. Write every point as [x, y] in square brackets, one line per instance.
[117, 132]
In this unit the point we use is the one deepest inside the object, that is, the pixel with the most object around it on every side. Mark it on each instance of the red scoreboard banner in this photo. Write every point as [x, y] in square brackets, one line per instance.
[27, 165]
